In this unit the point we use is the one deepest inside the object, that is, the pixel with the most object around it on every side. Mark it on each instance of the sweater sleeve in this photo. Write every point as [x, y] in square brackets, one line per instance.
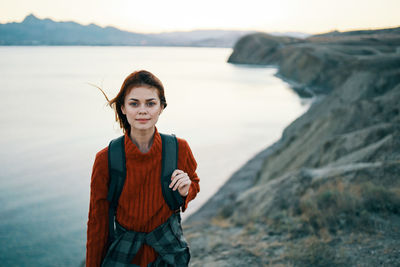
[188, 164]
[97, 225]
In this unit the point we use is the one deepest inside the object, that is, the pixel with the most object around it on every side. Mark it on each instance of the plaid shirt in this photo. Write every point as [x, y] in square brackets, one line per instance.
[167, 240]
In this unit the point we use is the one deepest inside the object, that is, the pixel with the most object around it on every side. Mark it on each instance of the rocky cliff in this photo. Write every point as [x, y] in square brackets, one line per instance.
[328, 192]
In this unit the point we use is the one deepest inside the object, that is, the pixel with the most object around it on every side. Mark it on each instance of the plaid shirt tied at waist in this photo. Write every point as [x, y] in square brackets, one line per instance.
[167, 240]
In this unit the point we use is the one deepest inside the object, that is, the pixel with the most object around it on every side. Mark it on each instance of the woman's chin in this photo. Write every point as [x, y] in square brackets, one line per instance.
[143, 127]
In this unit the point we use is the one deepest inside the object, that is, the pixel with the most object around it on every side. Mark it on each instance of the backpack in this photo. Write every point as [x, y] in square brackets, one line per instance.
[117, 172]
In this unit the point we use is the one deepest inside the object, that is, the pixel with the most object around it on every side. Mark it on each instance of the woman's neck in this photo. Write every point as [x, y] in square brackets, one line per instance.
[143, 138]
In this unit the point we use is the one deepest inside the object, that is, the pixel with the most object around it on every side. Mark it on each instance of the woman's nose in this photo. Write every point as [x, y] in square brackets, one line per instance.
[142, 110]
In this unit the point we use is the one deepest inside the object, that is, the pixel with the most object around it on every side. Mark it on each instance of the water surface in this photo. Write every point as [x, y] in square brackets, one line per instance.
[53, 123]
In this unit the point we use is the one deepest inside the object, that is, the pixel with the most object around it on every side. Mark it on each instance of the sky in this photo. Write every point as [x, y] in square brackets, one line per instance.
[145, 16]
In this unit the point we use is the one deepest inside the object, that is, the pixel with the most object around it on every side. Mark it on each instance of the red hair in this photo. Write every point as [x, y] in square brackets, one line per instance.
[135, 79]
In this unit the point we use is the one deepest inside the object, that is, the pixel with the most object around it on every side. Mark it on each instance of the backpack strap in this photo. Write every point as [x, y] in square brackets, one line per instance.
[117, 172]
[169, 164]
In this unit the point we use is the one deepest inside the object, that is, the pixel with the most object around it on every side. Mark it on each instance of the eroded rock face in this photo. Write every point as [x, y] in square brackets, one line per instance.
[320, 63]
[259, 48]
[342, 156]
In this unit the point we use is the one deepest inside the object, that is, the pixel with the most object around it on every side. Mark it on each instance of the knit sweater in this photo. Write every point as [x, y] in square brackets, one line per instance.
[141, 206]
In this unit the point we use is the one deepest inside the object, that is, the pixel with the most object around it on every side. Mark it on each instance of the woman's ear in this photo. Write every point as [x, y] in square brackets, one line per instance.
[123, 109]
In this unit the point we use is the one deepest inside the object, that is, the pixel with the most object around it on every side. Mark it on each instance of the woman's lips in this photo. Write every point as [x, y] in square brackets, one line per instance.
[142, 120]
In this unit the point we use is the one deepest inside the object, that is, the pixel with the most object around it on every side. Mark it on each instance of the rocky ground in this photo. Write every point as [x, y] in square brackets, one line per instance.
[328, 192]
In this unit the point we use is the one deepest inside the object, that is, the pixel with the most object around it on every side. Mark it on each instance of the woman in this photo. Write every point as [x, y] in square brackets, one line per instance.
[141, 208]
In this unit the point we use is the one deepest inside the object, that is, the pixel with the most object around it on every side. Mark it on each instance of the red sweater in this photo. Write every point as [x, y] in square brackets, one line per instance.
[141, 206]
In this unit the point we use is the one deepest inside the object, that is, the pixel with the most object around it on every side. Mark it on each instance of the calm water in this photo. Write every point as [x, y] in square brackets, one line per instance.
[53, 123]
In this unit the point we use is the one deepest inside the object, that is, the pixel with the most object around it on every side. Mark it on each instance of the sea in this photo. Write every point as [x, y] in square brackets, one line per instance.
[54, 121]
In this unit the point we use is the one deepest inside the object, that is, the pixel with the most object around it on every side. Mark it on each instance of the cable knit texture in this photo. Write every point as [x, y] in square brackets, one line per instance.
[141, 205]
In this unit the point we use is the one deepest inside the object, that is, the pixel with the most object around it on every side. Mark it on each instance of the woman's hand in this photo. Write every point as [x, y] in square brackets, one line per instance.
[180, 181]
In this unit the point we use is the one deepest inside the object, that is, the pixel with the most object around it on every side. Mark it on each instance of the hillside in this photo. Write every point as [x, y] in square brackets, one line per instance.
[328, 192]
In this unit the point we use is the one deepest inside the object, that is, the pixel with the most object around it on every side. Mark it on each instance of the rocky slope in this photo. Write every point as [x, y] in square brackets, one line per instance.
[328, 192]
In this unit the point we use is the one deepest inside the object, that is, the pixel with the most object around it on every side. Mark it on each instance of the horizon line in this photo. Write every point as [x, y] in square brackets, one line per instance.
[203, 29]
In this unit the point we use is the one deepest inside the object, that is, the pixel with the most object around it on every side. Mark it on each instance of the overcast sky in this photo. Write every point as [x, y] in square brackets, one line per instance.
[309, 16]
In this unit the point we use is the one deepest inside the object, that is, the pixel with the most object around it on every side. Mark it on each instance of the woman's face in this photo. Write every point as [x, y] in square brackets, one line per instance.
[142, 107]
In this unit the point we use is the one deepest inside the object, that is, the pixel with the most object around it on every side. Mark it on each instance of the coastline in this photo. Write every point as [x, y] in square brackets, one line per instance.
[338, 158]
[241, 179]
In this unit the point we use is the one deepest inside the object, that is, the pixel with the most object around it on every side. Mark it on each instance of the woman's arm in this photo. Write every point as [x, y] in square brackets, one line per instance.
[97, 226]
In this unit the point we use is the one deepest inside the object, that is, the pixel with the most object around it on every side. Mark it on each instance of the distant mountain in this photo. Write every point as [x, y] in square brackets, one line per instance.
[35, 31]
[210, 38]
[300, 35]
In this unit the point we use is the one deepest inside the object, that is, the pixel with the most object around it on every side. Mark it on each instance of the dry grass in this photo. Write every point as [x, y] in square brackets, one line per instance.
[335, 206]
[221, 222]
[334, 209]
[312, 251]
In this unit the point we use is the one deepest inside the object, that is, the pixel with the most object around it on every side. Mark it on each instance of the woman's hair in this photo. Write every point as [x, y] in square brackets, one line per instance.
[135, 79]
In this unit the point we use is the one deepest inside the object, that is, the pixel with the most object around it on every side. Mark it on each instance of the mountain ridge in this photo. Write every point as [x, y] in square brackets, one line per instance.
[35, 31]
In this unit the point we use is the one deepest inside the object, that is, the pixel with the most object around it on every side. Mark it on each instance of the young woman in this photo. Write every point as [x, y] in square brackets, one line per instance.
[142, 211]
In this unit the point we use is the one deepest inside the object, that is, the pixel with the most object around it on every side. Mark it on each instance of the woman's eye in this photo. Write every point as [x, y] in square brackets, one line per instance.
[150, 104]
[133, 104]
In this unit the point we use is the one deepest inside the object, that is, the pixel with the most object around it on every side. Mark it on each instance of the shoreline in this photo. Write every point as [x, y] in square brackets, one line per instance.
[242, 177]
[310, 198]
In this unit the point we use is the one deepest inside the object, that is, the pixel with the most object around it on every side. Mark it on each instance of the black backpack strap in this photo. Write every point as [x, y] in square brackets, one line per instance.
[117, 172]
[169, 164]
